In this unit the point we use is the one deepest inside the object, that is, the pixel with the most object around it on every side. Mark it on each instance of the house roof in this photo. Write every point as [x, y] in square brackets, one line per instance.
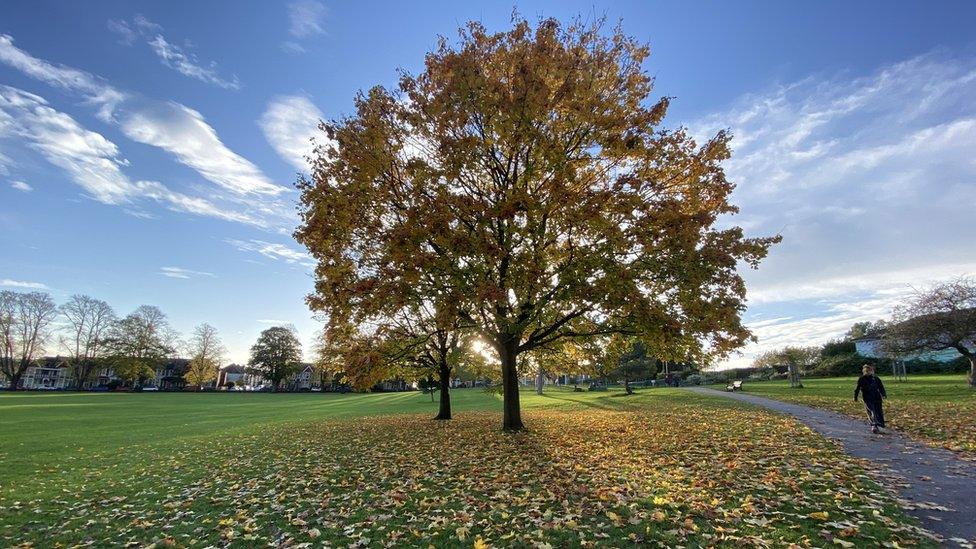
[234, 369]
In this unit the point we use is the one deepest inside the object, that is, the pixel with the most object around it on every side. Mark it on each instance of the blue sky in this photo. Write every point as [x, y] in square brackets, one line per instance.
[148, 150]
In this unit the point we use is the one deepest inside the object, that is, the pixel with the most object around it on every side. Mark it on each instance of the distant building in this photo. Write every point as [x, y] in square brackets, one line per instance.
[169, 375]
[54, 373]
[235, 373]
[868, 346]
[303, 380]
[47, 373]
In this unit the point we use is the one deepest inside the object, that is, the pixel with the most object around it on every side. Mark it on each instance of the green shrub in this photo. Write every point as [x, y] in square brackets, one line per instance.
[958, 366]
[837, 348]
[847, 365]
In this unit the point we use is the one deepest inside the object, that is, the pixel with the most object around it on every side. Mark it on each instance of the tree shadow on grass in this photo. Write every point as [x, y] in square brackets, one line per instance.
[604, 402]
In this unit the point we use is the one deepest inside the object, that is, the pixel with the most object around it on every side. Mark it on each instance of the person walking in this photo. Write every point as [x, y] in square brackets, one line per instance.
[873, 392]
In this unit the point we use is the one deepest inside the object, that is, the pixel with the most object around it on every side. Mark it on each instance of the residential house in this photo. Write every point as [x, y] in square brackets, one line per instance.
[236, 374]
[305, 379]
[47, 373]
[169, 375]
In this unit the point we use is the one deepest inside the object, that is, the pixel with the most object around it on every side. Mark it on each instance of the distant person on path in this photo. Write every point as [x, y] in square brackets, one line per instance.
[873, 392]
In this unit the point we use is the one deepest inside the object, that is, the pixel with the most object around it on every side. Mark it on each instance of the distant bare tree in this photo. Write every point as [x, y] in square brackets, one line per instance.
[88, 321]
[794, 358]
[938, 319]
[25, 320]
[206, 354]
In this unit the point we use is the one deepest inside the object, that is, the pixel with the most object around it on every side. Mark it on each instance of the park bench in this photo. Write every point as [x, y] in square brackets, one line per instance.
[734, 386]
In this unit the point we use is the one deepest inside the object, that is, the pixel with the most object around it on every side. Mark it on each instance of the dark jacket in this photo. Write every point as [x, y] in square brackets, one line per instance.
[871, 388]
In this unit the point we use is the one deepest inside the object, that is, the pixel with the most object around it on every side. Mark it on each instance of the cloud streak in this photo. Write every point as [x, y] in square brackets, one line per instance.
[90, 160]
[271, 250]
[21, 186]
[305, 18]
[186, 64]
[171, 55]
[248, 195]
[8, 283]
[179, 272]
[870, 181]
[289, 124]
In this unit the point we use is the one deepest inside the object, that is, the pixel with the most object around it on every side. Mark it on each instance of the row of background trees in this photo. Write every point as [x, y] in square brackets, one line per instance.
[89, 335]
[933, 320]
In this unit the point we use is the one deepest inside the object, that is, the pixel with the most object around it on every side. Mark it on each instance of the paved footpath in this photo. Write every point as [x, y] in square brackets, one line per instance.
[934, 485]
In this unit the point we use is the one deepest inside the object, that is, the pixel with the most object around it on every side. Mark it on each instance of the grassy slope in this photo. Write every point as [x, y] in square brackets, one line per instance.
[198, 469]
[939, 409]
[45, 428]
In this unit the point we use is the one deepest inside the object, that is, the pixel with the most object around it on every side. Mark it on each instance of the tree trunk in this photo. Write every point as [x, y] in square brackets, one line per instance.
[972, 371]
[512, 417]
[15, 381]
[445, 380]
[540, 381]
[793, 372]
[627, 388]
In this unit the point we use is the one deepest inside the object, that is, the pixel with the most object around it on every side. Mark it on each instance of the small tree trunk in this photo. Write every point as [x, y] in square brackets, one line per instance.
[794, 374]
[15, 381]
[627, 388]
[540, 381]
[445, 382]
[512, 411]
[972, 371]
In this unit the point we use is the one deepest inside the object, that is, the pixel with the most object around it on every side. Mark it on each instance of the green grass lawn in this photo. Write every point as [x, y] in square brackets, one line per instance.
[938, 409]
[661, 468]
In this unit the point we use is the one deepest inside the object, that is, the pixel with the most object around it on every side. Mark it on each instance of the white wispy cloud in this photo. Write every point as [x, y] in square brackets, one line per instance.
[289, 124]
[187, 64]
[869, 178]
[305, 19]
[170, 126]
[171, 55]
[274, 321]
[179, 272]
[91, 160]
[184, 133]
[8, 283]
[272, 250]
[98, 93]
[5, 161]
[127, 35]
[21, 186]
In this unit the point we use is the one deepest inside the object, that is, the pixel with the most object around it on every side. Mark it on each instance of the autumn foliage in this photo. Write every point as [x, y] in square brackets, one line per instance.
[524, 183]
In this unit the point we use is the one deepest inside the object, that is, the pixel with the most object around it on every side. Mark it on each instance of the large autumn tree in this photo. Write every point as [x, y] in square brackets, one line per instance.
[524, 177]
